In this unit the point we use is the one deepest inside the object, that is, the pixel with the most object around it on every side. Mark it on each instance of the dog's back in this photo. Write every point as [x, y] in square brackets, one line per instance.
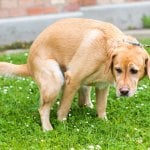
[62, 39]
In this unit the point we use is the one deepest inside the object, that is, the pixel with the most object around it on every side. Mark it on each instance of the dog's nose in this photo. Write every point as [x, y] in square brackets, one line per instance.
[124, 91]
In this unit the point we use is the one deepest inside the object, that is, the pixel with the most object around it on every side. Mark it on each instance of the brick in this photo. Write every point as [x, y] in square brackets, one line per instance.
[41, 10]
[88, 2]
[9, 3]
[50, 9]
[110, 1]
[41, 2]
[71, 7]
[101, 2]
[17, 12]
[58, 2]
[4, 13]
[34, 10]
[134, 0]
[74, 1]
[25, 3]
[117, 1]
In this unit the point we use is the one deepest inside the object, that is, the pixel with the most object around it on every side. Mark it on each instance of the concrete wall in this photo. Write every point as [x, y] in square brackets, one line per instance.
[125, 16]
[27, 28]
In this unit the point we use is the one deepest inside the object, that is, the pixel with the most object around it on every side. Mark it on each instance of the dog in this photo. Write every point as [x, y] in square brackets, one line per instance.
[73, 54]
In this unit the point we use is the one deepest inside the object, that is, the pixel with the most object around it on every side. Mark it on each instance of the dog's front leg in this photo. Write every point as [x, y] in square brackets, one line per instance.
[101, 102]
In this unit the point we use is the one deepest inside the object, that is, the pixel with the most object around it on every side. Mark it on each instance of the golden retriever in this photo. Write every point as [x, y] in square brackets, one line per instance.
[72, 54]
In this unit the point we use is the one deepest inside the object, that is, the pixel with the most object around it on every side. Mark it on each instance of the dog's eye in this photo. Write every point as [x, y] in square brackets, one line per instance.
[133, 71]
[118, 70]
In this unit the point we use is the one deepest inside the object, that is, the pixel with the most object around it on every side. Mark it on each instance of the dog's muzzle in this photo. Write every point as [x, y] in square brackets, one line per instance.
[124, 91]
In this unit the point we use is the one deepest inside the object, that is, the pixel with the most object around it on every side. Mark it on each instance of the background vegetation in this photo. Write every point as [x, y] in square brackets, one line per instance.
[146, 21]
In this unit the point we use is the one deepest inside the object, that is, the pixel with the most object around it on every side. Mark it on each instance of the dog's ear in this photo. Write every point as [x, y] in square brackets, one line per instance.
[148, 67]
[109, 64]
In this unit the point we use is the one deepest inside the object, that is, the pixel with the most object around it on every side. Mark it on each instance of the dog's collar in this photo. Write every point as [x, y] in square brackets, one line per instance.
[136, 43]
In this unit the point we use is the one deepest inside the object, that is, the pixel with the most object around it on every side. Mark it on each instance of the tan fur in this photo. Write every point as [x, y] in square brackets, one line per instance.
[73, 53]
[7, 69]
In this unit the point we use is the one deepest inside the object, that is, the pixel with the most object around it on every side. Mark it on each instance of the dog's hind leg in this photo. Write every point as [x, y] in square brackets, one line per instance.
[50, 80]
[84, 96]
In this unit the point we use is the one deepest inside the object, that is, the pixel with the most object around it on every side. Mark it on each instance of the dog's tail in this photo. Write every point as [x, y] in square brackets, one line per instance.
[8, 69]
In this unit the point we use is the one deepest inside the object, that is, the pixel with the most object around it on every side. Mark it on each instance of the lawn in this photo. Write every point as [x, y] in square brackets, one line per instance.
[127, 128]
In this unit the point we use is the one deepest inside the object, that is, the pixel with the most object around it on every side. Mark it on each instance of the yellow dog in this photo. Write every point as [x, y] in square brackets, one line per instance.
[76, 53]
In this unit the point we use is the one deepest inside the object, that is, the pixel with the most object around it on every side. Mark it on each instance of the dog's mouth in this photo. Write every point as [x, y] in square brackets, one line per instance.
[123, 95]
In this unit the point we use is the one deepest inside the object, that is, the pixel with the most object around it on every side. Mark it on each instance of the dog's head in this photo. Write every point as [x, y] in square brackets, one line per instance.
[129, 63]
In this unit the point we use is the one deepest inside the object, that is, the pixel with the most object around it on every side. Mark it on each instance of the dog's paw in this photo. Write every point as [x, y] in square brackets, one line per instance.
[61, 117]
[103, 116]
[90, 105]
[47, 128]
[86, 104]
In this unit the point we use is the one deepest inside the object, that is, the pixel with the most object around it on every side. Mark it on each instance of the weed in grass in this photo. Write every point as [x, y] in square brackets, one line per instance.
[127, 128]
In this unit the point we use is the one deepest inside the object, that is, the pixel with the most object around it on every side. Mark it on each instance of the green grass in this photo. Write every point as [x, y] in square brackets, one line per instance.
[146, 21]
[127, 128]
